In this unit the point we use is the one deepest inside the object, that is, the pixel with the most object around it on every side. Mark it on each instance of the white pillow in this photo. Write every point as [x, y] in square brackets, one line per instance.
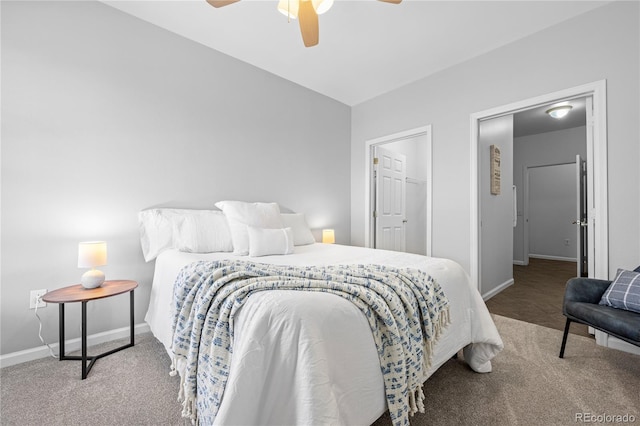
[156, 231]
[301, 233]
[204, 232]
[265, 242]
[241, 214]
[158, 228]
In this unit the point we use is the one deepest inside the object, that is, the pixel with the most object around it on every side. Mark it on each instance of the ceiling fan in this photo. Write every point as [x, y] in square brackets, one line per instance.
[306, 10]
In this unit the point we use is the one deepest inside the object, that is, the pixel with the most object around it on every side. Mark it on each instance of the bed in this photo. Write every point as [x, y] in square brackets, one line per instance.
[309, 357]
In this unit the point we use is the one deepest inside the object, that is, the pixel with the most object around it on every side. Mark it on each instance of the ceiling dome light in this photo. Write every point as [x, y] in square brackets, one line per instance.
[559, 111]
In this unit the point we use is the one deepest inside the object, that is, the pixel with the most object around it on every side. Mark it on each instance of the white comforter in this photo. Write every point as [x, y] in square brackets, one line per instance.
[309, 358]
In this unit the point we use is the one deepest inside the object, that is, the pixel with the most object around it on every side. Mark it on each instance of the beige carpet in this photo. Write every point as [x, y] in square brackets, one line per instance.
[530, 385]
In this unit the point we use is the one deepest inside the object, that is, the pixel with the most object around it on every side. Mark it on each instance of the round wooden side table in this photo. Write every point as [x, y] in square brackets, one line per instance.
[77, 293]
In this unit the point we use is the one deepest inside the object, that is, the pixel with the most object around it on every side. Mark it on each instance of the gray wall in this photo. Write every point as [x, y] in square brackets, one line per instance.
[538, 150]
[104, 115]
[496, 210]
[601, 44]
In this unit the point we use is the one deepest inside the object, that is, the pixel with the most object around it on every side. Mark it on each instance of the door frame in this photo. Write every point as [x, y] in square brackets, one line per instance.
[368, 177]
[598, 91]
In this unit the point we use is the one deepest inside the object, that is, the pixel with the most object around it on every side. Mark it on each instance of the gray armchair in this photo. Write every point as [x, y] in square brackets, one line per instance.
[580, 304]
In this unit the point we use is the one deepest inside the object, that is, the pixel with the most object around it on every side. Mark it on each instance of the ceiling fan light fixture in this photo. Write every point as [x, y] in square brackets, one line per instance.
[559, 111]
[289, 8]
[321, 6]
[306, 10]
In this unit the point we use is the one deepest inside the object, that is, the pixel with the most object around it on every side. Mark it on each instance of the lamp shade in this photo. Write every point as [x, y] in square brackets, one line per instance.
[92, 254]
[328, 236]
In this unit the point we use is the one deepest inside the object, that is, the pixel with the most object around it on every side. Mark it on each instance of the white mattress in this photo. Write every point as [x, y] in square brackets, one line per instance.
[309, 358]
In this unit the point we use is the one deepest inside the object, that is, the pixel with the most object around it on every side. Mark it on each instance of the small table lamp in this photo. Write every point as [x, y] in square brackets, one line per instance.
[90, 255]
[328, 236]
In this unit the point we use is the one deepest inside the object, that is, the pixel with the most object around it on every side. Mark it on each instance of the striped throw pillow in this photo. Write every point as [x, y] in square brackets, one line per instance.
[624, 292]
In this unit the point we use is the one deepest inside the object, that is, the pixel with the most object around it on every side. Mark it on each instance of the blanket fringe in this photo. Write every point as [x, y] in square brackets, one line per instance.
[189, 410]
[173, 371]
[416, 401]
[189, 404]
[416, 396]
[440, 324]
[443, 321]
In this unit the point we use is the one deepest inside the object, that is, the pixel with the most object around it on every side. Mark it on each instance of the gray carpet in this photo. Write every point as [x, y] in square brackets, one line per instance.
[530, 385]
[130, 387]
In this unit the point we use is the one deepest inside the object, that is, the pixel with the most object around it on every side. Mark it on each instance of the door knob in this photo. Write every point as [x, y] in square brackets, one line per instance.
[579, 222]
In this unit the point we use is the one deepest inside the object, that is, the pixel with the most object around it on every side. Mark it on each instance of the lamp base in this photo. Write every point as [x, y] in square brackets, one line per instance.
[92, 279]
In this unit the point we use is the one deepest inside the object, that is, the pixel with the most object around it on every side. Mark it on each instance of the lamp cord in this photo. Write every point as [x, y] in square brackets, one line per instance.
[40, 330]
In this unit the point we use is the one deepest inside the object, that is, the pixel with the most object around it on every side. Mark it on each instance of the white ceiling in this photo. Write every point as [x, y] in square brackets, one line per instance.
[366, 47]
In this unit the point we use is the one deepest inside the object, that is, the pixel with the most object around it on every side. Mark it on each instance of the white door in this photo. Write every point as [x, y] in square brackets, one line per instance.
[390, 199]
[581, 217]
[552, 209]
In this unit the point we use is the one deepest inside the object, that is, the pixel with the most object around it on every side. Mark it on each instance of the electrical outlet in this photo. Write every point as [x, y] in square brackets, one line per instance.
[34, 296]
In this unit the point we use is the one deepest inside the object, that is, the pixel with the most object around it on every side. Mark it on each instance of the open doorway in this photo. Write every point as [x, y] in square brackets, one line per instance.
[548, 237]
[398, 191]
[549, 172]
[597, 210]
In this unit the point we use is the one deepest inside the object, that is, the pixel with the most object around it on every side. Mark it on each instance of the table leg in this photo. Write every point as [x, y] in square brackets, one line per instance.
[131, 317]
[84, 340]
[61, 330]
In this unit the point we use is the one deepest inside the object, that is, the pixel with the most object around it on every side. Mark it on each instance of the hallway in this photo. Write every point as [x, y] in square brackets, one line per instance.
[536, 296]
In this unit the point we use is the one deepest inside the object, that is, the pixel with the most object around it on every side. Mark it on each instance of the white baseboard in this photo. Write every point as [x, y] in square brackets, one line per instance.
[497, 290]
[546, 257]
[603, 339]
[69, 345]
[519, 262]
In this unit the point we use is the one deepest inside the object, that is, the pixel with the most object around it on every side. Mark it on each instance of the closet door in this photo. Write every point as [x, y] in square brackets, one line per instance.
[391, 194]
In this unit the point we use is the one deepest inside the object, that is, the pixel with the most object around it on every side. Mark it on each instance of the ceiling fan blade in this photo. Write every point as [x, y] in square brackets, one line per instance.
[391, 1]
[220, 3]
[308, 23]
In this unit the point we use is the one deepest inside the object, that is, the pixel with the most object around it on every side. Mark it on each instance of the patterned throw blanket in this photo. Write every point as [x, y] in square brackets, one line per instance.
[406, 310]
